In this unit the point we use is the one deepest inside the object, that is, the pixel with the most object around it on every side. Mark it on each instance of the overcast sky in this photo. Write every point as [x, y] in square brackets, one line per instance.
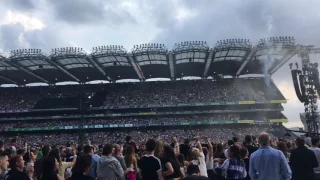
[89, 23]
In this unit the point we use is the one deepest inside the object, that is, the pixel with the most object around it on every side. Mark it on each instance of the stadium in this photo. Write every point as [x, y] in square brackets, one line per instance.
[233, 94]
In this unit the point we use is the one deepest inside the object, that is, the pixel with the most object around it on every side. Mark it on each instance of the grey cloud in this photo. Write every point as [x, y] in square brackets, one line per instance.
[160, 12]
[13, 36]
[85, 12]
[45, 39]
[243, 19]
[9, 36]
[19, 5]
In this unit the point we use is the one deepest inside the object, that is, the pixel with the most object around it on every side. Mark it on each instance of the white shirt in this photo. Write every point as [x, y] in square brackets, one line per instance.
[209, 162]
[226, 154]
[317, 153]
[203, 165]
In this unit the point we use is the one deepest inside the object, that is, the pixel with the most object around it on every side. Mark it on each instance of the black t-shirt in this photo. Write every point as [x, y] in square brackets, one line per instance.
[251, 149]
[184, 149]
[77, 176]
[195, 178]
[149, 166]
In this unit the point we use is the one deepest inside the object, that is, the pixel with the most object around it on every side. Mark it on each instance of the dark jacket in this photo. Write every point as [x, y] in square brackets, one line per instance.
[15, 174]
[38, 167]
[302, 162]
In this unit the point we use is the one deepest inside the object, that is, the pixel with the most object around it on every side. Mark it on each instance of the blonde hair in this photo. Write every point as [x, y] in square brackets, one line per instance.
[159, 148]
[195, 153]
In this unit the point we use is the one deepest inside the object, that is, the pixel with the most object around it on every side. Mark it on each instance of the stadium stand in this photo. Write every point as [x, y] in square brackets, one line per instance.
[224, 103]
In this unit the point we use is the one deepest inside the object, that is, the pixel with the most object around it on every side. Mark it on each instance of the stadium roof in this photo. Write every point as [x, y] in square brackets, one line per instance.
[232, 57]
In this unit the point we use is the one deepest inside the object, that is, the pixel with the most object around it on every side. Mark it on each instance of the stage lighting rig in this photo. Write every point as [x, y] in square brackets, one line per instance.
[307, 85]
[233, 43]
[149, 48]
[109, 50]
[25, 53]
[69, 51]
[191, 46]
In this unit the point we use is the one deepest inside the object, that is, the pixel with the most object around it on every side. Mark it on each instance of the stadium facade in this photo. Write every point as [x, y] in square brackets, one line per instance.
[242, 102]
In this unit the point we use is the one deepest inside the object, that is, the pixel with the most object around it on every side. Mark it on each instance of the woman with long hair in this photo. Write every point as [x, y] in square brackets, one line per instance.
[244, 155]
[62, 165]
[81, 168]
[219, 152]
[158, 149]
[232, 168]
[131, 162]
[183, 164]
[283, 148]
[49, 170]
[171, 168]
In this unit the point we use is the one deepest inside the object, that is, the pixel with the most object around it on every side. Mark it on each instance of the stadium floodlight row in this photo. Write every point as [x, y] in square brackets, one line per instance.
[232, 57]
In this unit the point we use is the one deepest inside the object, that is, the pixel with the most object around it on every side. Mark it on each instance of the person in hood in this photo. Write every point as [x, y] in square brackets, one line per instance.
[109, 168]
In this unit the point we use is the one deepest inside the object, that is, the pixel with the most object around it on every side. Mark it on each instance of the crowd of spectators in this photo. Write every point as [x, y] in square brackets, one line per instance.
[219, 133]
[177, 92]
[128, 94]
[190, 154]
[18, 98]
[119, 120]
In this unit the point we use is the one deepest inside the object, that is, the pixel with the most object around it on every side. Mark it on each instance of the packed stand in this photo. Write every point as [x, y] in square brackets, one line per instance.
[139, 135]
[20, 98]
[175, 92]
[128, 94]
[124, 120]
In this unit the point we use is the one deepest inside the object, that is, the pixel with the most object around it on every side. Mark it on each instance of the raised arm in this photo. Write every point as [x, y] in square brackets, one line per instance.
[210, 147]
[198, 145]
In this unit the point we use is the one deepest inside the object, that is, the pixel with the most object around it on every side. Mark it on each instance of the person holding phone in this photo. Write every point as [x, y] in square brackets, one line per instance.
[30, 157]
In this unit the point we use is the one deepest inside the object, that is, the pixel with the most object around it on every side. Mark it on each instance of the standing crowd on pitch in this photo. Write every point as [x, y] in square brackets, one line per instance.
[198, 158]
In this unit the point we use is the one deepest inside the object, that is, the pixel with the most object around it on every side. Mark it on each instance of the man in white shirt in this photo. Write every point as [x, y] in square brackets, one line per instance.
[316, 150]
